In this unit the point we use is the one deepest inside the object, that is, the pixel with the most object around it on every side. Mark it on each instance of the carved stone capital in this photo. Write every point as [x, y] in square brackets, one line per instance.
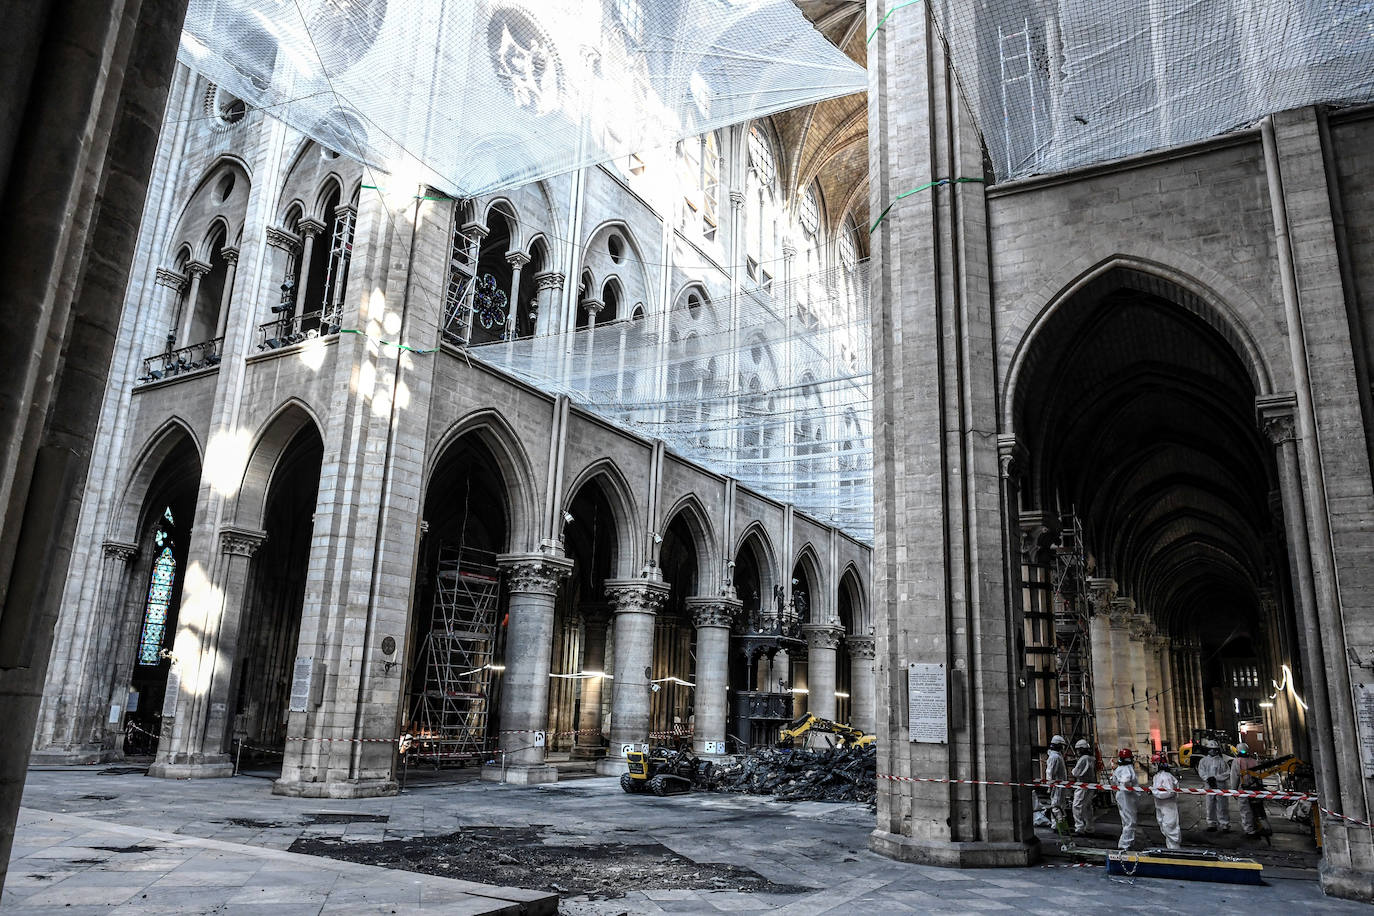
[714, 612]
[197, 269]
[476, 230]
[1121, 610]
[240, 542]
[535, 573]
[231, 255]
[593, 306]
[171, 279]
[789, 251]
[280, 238]
[117, 550]
[862, 648]
[737, 199]
[822, 636]
[310, 227]
[343, 210]
[1011, 457]
[1275, 415]
[517, 259]
[549, 279]
[636, 596]
[1101, 594]
[1158, 642]
[1142, 627]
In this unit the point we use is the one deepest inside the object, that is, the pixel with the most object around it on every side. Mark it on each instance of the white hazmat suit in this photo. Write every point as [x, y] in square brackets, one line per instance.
[1085, 770]
[1127, 802]
[1215, 772]
[1240, 767]
[1057, 771]
[1165, 790]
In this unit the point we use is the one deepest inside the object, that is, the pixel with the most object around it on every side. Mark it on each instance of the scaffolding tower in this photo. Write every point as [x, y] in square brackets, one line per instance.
[1072, 638]
[450, 693]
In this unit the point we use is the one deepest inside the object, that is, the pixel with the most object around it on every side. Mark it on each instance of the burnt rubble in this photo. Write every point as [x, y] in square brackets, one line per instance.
[834, 774]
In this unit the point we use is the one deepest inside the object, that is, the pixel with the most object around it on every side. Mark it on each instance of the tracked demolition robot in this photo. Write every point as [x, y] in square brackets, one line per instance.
[664, 771]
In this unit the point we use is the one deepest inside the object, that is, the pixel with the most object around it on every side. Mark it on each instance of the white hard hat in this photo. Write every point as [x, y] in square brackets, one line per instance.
[1057, 739]
[1082, 745]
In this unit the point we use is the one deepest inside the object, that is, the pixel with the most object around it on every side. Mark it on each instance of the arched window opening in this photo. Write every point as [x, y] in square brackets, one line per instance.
[761, 159]
[809, 211]
[491, 296]
[315, 284]
[340, 252]
[700, 162]
[158, 601]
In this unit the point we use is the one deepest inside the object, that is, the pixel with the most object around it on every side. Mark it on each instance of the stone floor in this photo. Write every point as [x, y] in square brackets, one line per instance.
[101, 840]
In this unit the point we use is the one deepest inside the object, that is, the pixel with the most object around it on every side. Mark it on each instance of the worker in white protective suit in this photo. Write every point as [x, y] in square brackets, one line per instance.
[1057, 771]
[1215, 772]
[1165, 790]
[1241, 765]
[1084, 770]
[1127, 800]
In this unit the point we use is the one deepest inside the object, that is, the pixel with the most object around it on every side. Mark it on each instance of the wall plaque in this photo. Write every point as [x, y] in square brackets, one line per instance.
[300, 683]
[927, 703]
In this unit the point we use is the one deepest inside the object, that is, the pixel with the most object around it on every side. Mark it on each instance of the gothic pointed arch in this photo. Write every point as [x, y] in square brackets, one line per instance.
[517, 473]
[808, 579]
[606, 474]
[173, 435]
[273, 438]
[690, 510]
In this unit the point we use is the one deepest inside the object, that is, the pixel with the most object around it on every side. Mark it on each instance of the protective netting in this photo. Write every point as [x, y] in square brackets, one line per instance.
[1058, 85]
[756, 387]
[473, 96]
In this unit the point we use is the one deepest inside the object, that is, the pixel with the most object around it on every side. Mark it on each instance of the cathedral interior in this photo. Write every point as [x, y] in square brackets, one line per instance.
[504, 390]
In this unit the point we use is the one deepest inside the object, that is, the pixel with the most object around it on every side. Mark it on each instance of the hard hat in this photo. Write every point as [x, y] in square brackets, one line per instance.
[1057, 739]
[1159, 759]
[1243, 750]
[1082, 745]
[1125, 754]
[1213, 747]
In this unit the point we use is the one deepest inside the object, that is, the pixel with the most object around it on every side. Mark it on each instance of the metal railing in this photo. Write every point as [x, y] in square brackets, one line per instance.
[283, 332]
[179, 360]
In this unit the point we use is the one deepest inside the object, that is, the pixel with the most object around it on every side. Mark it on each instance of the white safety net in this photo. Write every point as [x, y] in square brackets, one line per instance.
[473, 96]
[757, 387]
[1059, 85]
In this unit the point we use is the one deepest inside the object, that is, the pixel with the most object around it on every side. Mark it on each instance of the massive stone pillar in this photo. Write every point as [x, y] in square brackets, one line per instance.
[861, 696]
[1140, 629]
[822, 642]
[1122, 712]
[712, 618]
[1101, 593]
[941, 596]
[198, 749]
[635, 603]
[595, 619]
[532, 585]
[1163, 722]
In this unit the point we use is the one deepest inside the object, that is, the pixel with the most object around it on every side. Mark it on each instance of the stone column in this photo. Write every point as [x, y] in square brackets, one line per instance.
[548, 289]
[1165, 707]
[1141, 630]
[634, 602]
[1121, 722]
[593, 307]
[532, 583]
[231, 260]
[712, 618]
[517, 261]
[862, 700]
[822, 641]
[476, 232]
[595, 619]
[195, 270]
[1101, 593]
[198, 746]
[310, 230]
[176, 283]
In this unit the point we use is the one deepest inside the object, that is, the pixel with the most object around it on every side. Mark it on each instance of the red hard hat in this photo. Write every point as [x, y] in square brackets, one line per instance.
[1125, 754]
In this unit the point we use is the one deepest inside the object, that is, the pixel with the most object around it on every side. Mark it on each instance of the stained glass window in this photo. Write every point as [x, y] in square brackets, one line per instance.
[761, 156]
[159, 598]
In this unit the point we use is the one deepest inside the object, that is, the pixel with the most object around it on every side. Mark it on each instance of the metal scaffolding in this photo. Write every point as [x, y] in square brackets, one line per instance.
[1072, 640]
[451, 687]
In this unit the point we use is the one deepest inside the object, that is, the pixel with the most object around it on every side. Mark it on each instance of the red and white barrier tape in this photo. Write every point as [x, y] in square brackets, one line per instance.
[1101, 787]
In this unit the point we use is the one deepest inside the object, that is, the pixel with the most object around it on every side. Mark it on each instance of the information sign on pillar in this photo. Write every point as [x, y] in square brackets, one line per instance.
[927, 703]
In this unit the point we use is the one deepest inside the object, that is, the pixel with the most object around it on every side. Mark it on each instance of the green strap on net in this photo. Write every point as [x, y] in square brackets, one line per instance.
[925, 187]
[386, 343]
[886, 15]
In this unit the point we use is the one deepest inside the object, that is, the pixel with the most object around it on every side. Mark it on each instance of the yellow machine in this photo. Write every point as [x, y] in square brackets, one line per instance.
[795, 734]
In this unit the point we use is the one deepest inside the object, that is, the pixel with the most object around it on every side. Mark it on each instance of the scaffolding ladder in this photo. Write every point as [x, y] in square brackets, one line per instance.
[1072, 638]
[450, 697]
[462, 285]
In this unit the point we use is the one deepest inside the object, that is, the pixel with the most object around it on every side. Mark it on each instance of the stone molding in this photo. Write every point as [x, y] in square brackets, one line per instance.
[714, 612]
[281, 238]
[476, 230]
[863, 648]
[536, 574]
[230, 255]
[517, 258]
[549, 279]
[1158, 642]
[822, 636]
[737, 199]
[310, 227]
[1142, 627]
[1011, 456]
[636, 596]
[194, 268]
[1121, 611]
[593, 306]
[171, 279]
[241, 542]
[118, 550]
